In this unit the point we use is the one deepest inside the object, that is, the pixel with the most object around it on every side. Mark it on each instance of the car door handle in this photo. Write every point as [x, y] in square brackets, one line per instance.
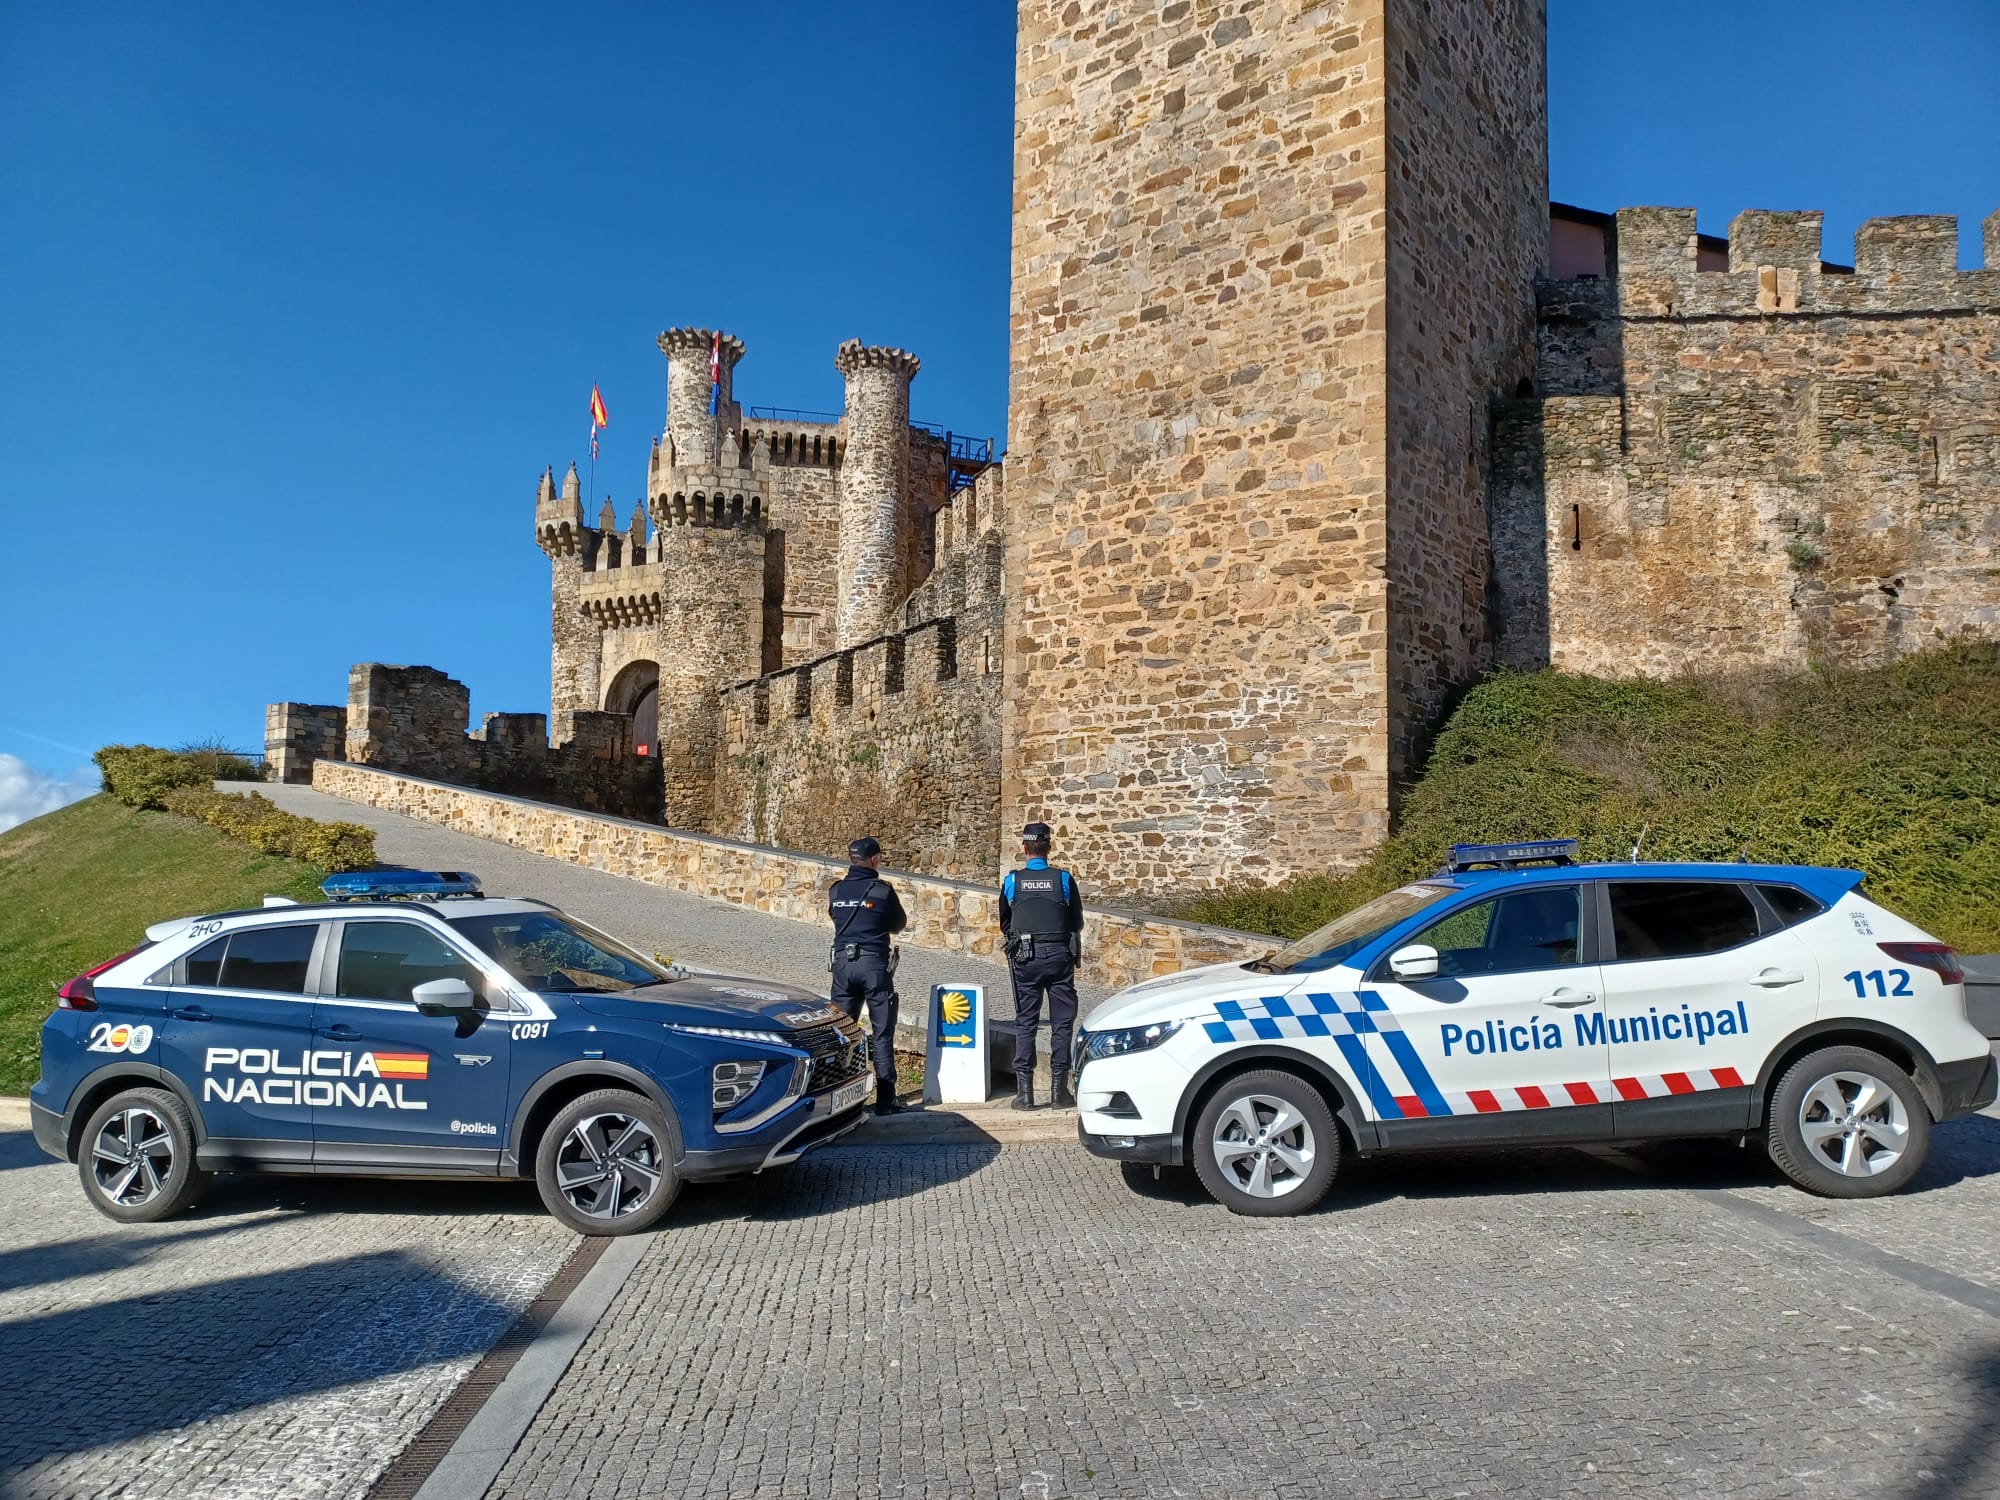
[1568, 998]
[340, 1031]
[192, 1013]
[1776, 979]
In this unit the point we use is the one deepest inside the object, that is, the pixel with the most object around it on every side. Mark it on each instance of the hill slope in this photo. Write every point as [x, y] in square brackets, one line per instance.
[1894, 771]
[81, 884]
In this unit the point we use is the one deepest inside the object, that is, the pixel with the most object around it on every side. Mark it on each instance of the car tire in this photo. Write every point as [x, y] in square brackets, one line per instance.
[1845, 1122]
[605, 1164]
[136, 1157]
[1266, 1144]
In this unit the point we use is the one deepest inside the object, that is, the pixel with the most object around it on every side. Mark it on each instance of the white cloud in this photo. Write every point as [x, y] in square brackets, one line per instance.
[27, 793]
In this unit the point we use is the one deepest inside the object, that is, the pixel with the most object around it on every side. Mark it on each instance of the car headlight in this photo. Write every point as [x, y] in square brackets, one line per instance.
[1130, 1039]
[772, 1038]
[733, 1082]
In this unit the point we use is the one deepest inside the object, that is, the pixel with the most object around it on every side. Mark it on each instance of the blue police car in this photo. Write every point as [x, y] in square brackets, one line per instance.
[1519, 997]
[410, 1026]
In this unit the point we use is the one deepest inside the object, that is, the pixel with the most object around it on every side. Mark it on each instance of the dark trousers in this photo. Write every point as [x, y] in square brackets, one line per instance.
[1047, 970]
[867, 978]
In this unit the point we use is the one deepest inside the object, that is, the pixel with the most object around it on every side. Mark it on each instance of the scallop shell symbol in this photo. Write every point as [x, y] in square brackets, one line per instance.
[957, 1007]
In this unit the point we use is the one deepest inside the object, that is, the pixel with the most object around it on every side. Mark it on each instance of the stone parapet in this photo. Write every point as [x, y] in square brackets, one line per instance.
[297, 735]
[1120, 947]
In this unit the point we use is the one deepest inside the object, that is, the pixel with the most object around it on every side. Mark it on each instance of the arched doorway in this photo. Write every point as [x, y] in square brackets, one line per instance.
[636, 691]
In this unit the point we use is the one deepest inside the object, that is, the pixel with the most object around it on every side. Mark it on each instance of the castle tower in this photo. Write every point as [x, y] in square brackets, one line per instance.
[872, 479]
[1247, 547]
[711, 560]
[693, 434]
[574, 657]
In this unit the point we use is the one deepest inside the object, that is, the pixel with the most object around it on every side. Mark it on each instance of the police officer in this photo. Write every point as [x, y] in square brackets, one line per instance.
[865, 911]
[1041, 914]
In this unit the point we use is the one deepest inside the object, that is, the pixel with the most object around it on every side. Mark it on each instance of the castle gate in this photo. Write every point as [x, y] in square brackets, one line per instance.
[636, 691]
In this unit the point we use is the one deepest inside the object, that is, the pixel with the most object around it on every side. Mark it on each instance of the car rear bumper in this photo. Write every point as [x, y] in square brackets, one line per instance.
[1968, 1085]
[1149, 1150]
[51, 1132]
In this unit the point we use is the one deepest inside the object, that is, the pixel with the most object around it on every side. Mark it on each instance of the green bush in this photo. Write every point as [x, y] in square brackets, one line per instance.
[1893, 771]
[219, 761]
[142, 775]
[263, 825]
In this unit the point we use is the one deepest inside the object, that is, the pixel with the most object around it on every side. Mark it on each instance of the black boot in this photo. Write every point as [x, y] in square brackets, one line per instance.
[1059, 1096]
[885, 1098]
[1024, 1087]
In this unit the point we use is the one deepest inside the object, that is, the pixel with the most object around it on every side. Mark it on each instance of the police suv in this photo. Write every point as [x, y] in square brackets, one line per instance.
[1518, 997]
[412, 1027]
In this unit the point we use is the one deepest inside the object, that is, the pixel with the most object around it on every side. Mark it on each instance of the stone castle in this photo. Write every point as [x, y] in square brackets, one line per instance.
[1318, 411]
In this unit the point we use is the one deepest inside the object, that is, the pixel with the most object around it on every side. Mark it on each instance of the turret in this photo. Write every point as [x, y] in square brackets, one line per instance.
[574, 654]
[692, 433]
[873, 472]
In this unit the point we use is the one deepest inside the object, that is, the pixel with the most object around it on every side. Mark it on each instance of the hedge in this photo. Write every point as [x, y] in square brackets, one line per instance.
[264, 826]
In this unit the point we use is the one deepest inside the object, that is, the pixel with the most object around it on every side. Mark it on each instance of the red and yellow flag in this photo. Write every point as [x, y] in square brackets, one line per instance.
[598, 416]
[415, 1065]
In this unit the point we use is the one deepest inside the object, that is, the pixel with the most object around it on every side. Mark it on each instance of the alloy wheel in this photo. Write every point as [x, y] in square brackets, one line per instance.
[132, 1157]
[1854, 1123]
[609, 1165]
[1263, 1145]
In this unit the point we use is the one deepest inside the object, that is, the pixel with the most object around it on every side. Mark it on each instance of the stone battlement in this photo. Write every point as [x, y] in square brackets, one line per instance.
[1901, 265]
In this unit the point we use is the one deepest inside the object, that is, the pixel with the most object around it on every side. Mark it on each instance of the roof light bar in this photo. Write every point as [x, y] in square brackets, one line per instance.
[399, 885]
[1508, 856]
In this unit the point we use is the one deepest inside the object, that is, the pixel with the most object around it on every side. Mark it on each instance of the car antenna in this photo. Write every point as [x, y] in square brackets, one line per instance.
[1638, 841]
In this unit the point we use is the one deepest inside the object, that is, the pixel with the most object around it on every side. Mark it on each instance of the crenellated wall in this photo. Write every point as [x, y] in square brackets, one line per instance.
[1757, 467]
[413, 720]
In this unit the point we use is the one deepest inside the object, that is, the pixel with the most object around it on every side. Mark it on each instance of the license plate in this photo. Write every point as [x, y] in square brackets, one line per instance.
[851, 1094]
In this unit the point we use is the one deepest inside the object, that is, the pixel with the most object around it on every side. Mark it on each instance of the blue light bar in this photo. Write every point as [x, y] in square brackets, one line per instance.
[1507, 856]
[399, 885]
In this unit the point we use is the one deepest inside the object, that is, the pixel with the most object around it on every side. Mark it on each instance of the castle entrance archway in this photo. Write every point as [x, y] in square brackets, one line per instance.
[636, 691]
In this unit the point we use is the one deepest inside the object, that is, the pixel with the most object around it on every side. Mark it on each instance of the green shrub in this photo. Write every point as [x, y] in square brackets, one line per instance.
[1893, 771]
[263, 825]
[219, 761]
[142, 775]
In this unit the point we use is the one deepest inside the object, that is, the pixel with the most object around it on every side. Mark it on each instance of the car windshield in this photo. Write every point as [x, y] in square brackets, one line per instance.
[1345, 935]
[549, 952]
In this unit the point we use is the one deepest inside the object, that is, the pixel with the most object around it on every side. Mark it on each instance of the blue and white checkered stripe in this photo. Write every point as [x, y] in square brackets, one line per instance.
[1345, 1019]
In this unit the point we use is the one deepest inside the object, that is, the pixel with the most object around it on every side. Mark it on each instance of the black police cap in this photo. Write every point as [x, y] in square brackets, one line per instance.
[864, 848]
[1037, 832]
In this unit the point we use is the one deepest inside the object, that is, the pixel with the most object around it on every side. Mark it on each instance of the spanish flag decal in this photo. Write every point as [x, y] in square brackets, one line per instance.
[415, 1065]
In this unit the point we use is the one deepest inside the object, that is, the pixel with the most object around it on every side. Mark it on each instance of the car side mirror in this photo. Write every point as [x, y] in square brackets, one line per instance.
[1417, 961]
[444, 997]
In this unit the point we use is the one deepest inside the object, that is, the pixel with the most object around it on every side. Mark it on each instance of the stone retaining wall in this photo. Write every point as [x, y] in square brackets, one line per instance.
[1120, 948]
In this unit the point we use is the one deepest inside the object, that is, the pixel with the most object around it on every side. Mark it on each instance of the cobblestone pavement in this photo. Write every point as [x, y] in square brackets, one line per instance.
[286, 1338]
[960, 1321]
[713, 934]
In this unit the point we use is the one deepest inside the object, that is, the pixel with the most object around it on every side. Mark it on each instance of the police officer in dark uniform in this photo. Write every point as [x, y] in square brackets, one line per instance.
[1041, 914]
[865, 912]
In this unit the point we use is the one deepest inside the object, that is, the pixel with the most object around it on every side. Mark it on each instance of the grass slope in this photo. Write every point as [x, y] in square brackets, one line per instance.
[82, 884]
[1893, 771]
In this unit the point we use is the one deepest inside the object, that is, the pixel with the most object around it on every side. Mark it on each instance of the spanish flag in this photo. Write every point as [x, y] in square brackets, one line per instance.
[598, 416]
[416, 1065]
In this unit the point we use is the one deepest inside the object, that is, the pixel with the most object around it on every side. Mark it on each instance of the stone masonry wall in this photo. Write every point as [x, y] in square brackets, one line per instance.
[1197, 627]
[1759, 467]
[898, 737]
[412, 719]
[297, 734]
[1120, 948]
[1469, 226]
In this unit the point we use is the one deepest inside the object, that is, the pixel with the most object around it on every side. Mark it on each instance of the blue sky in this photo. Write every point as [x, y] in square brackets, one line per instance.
[298, 301]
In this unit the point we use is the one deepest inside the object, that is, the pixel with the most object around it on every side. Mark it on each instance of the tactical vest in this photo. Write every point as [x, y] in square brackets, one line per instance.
[1039, 906]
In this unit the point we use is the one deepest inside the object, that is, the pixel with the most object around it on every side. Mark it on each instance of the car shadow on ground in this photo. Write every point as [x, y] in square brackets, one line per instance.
[869, 1175]
[1961, 1150]
[165, 1360]
[18, 1149]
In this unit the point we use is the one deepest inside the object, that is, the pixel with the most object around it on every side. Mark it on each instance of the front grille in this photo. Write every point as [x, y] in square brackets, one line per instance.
[838, 1053]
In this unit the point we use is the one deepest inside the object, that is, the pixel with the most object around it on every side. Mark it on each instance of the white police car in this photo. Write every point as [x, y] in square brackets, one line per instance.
[412, 1027]
[1520, 998]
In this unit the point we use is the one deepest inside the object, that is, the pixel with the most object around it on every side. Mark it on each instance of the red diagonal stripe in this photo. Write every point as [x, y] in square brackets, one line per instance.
[1677, 1083]
[1533, 1097]
[1629, 1088]
[1483, 1101]
[1581, 1093]
[1412, 1107]
[1728, 1078]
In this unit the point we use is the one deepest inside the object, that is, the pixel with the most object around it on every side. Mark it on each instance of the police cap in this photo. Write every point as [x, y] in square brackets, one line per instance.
[1036, 833]
[864, 848]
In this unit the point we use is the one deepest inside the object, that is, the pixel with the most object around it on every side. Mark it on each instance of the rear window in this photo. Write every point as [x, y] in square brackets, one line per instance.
[1790, 903]
[254, 958]
[1679, 918]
